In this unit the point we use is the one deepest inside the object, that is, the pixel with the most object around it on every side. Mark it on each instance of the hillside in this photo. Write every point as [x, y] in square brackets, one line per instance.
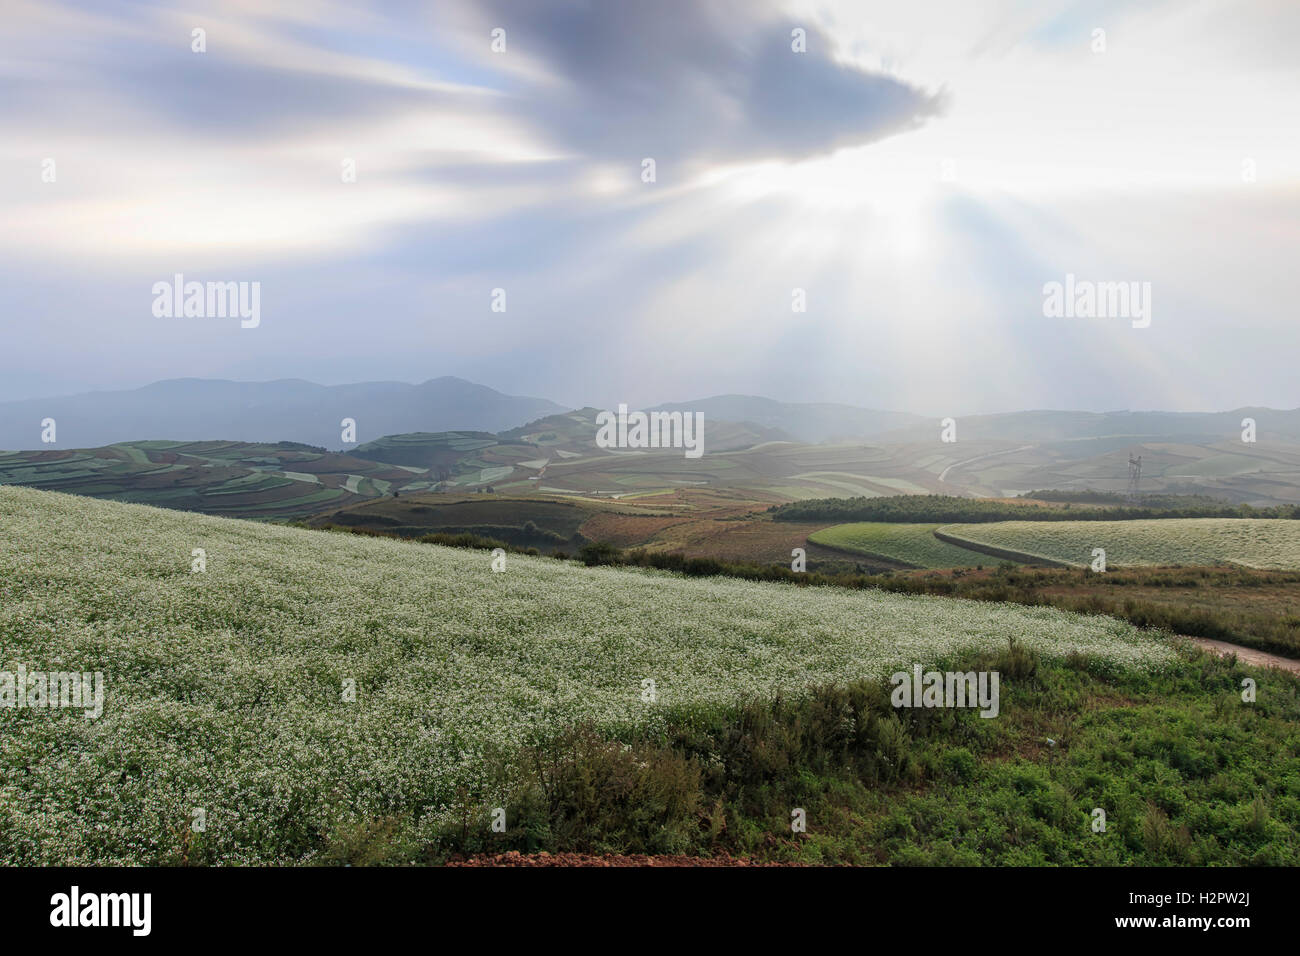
[224, 689]
[751, 459]
[455, 458]
[242, 479]
[913, 545]
[575, 432]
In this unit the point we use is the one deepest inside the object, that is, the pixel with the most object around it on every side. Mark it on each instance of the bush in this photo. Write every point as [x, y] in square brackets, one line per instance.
[598, 553]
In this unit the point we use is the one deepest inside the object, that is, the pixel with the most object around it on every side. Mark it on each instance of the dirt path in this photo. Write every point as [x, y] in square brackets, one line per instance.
[1246, 654]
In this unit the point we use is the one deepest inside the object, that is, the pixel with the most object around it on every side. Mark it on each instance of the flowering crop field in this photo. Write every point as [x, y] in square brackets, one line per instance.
[1266, 544]
[224, 688]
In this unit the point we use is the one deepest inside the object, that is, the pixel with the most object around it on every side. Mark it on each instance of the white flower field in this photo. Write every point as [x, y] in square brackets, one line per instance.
[1266, 544]
[224, 690]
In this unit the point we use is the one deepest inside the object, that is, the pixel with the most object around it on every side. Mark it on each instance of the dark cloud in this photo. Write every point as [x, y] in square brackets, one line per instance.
[683, 79]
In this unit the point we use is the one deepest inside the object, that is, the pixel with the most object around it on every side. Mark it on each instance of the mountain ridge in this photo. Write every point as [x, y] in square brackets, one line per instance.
[190, 409]
[295, 409]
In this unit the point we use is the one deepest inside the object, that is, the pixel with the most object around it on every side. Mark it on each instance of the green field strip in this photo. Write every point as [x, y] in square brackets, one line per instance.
[911, 544]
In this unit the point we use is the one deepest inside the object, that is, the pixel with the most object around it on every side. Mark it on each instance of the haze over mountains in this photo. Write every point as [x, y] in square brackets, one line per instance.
[192, 409]
[811, 422]
[1043, 425]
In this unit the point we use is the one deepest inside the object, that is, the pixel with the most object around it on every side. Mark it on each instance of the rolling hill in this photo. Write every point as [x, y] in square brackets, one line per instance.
[240, 479]
[757, 451]
[304, 681]
[575, 431]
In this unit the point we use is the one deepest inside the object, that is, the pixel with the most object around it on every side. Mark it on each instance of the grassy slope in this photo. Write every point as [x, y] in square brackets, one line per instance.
[1185, 771]
[1256, 543]
[224, 687]
[913, 544]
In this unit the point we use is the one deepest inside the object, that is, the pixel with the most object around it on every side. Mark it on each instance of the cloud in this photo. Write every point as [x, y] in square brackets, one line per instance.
[696, 81]
[820, 170]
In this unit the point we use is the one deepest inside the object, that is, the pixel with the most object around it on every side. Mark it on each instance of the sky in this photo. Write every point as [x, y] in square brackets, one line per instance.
[919, 170]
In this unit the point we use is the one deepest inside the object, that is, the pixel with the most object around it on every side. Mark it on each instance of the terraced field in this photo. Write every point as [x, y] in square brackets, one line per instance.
[451, 458]
[215, 477]
[1269, 544]
[225, 689]
[911, 544]
[549, 525]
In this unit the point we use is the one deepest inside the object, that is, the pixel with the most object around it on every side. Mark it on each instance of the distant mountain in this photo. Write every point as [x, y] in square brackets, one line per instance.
[811, 422]
[192, 409]
[1044, 426]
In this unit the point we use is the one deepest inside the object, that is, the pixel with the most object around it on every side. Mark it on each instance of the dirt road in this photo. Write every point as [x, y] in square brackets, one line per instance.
[1246, 654]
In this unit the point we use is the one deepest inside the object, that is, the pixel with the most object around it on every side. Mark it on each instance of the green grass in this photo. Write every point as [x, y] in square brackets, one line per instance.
[1184, 771]
[911, 544]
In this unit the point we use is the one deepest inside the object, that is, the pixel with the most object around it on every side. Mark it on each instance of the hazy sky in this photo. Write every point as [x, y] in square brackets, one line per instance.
[921, 171]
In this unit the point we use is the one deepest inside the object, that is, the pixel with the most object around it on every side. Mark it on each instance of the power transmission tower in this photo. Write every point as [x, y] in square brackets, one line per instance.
[1134, 478]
